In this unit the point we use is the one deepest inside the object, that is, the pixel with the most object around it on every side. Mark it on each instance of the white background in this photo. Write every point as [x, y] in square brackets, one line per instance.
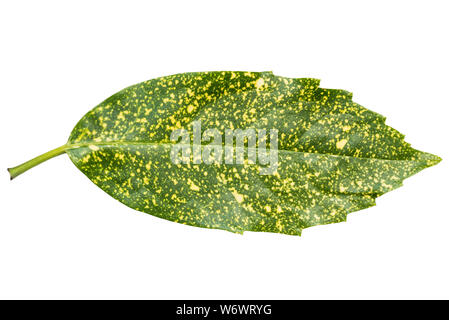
[63, 237]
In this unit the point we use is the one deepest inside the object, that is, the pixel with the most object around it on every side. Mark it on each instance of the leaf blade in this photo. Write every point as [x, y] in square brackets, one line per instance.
[335, 156]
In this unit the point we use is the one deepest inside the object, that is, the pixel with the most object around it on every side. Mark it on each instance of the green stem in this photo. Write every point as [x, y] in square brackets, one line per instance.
[15, 171]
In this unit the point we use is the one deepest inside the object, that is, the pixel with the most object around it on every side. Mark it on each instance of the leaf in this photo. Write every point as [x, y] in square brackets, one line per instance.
[334, 156]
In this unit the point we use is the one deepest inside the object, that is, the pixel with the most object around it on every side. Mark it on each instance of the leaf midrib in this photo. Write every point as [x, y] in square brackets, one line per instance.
[70, 146]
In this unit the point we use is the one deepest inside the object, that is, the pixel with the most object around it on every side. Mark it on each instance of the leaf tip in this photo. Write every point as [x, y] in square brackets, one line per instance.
[435, 160]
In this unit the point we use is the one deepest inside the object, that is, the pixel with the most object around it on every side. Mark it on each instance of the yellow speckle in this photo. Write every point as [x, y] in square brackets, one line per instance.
[190, 108]
[267, 208]
[341, 143]
[279, 226]
[237, 196]
[193, 186]
[259, 83]
[346, 128]
[121, 116]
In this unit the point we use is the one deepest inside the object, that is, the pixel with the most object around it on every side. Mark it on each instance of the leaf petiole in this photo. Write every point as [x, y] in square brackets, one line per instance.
[15, 171]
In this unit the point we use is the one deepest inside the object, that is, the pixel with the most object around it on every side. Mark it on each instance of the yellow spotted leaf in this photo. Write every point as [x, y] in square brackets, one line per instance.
[169, 147]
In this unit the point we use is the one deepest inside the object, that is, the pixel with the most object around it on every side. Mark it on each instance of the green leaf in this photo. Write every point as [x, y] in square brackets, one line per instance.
[334, 156]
